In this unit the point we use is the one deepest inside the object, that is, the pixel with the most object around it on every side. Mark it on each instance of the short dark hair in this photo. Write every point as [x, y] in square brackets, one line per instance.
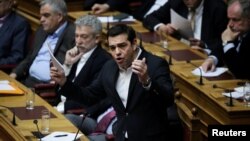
[122, 29]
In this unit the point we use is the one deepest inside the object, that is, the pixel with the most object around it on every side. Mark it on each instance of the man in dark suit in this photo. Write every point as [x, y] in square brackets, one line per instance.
[209, 21]
[236, 40]
[14, 31]
[83, 62]
[137, 8]
[56, 33]
[138, 85]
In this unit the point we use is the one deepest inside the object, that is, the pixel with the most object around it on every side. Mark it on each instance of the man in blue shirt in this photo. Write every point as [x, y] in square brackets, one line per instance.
[57, 33]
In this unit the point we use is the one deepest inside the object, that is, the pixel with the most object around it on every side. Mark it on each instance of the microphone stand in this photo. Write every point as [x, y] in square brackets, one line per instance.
[83, 118]
[200, 82]
[230, 102]
[140, 38]
[170, 57]
[40, 134]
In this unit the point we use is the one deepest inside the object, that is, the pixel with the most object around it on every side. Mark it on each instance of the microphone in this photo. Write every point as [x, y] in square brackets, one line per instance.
[35, 121]
[170, 57]
[140, 38]
[14, 114]
[108, 23]
[85, 114]
[230, 102]
[200, 82]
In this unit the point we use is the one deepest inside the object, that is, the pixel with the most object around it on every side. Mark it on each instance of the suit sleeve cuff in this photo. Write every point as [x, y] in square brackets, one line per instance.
[157, 26]
[227, 47]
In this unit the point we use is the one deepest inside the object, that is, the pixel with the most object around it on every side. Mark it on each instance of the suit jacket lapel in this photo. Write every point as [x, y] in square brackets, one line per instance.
[6, 24]
[83, 74]
[134, 88]
[60, 39]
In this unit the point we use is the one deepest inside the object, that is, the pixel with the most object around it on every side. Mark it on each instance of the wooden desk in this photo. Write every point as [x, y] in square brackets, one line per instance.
[203, 105]
[58, 123]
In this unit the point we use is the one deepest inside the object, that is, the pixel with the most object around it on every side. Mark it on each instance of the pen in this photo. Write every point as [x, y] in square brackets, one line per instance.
[61, 135]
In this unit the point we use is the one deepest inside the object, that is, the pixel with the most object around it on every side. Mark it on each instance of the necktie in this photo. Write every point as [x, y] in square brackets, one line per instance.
[237, 43]
[192, 19]
[105, 121]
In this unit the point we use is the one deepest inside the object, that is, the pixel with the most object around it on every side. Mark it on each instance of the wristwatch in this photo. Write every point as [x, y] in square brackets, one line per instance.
[147, 82]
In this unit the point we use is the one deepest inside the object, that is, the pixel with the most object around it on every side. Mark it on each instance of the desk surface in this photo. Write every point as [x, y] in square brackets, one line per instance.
[57, 123]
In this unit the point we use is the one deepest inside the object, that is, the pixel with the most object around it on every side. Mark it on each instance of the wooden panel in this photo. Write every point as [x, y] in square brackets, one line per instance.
[8, 132]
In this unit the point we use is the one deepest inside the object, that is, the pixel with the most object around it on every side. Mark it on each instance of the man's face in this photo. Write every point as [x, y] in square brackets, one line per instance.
[85, 38]
[5, 7]
[122, 50]
[192, 4]
[50, 20]
[237, 23]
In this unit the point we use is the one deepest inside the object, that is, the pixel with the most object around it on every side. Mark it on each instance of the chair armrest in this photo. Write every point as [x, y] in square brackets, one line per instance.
[7, 68]
[47, 95]
[76, 111]
[44, 86]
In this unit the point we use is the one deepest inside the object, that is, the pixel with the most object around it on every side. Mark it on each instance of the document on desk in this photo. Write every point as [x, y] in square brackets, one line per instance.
[55, 62]
[181, 24]
[238, 92]
[218, 71]
[8, 88]
[235, 94]
[111, 19]
[61, 136]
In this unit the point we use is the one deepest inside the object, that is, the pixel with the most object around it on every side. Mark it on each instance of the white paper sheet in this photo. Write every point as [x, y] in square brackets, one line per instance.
[6, 87]
[242, 89]
[111, 19]
[238, 92]
[218, 71]
[181, 24]
[4, 81]
[55, 62]
[66, 136]
[235, 94]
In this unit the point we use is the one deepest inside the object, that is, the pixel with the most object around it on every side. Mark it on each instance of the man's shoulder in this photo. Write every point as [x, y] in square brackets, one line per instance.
[18, 20]
[70, 27]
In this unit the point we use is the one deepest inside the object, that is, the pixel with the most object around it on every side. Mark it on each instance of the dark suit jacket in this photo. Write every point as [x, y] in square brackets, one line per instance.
[236, 61]
[138, 11]
[64, 43]
[214, 19]
[89, 72]
[144, 118]
[14, 36]
[87, 4]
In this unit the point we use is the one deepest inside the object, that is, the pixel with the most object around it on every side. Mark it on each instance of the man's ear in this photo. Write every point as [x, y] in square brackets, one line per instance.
[60, 17]
[97, 38]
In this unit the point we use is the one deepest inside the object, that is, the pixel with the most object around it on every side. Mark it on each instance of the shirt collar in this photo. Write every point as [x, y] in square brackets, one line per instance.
[200, 7]
[87, 54]
[59, 30]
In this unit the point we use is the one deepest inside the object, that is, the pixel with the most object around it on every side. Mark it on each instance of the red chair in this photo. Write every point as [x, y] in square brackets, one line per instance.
[47, 92]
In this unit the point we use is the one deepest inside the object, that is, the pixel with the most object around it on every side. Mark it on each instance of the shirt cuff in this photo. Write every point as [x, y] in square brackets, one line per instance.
[227, 47]
[155, 28]
[67, 69]
[215, 59]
